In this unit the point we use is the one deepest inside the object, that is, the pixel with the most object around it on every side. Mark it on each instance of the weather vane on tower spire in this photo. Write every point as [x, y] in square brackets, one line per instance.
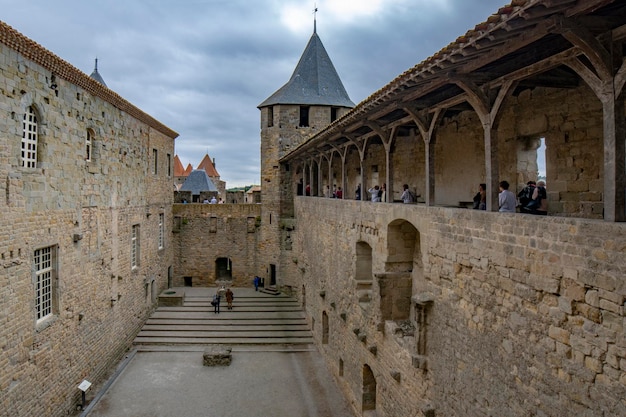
[314, 17]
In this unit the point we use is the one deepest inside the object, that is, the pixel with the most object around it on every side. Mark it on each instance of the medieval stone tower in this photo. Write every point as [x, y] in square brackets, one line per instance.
[312, 99]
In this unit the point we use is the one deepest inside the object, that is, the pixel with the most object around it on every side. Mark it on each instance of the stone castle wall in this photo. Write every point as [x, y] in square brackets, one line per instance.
[523, 313]
[84, 211]
[205, 232]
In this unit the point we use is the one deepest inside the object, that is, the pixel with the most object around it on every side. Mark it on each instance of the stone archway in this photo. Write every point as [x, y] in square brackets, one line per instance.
[402, 267]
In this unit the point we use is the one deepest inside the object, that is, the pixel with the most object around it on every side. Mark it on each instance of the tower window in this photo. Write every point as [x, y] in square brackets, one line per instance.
[304, 116]
[333, 113]
[270, 116]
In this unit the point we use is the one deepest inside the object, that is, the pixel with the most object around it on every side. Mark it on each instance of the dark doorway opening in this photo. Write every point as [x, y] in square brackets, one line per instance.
[223, 269]
[272, 275]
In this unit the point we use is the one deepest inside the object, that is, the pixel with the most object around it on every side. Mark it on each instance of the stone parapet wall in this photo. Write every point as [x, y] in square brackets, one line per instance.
[525, 313]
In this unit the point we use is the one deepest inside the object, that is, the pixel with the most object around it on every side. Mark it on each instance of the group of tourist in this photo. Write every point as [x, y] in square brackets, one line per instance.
[336, 192]
[217, 298]
[213, 200]
[533, 199]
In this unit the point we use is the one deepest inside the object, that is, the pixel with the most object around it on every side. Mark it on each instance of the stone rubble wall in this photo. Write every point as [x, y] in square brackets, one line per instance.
[527, 312]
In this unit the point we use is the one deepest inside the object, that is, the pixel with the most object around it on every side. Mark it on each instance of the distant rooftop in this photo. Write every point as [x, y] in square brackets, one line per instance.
[96, 75]
[197, 182]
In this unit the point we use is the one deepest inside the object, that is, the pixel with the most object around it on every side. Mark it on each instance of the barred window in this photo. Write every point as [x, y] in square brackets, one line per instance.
[29, 139]
[44, 275]
[161, 230]
[88, 142]
[134, 247]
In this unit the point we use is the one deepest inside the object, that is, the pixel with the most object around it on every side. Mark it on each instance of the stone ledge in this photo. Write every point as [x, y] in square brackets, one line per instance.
[217, 355]
[171, 298]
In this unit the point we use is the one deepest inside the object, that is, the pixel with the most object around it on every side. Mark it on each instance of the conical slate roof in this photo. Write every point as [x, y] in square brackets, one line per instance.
[314, 81]
[198, 181]
[96, 75]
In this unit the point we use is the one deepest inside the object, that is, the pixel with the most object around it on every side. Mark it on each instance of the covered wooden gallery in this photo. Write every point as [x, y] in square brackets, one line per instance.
[537, 72]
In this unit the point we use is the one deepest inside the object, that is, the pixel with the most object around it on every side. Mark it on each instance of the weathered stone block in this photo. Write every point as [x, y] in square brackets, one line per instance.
[217, 355]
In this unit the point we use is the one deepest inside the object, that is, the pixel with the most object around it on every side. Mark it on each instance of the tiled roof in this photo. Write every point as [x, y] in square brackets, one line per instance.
[36, 53]
[179, 171]
[314, 81]
[207, 165]
[188, 169]
[198, 181]
[515, 25]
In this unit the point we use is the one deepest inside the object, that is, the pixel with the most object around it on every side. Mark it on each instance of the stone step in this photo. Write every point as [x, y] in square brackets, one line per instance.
[218, 334]
[278, 347]
[227, 314]
[225, 322]
[266, 321]
[236, 307]
[168, 341]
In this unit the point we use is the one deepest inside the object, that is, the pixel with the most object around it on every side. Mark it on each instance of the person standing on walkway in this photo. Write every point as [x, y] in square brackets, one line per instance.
[256, 283]
[506, 198]
[229, 298]
[216, 303]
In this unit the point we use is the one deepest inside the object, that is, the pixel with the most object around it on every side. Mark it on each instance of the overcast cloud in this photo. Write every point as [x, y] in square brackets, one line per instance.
[202, 67]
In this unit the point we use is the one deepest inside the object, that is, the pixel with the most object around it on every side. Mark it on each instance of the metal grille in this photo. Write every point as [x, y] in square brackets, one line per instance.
[29, 139]
[43, 279]
[161, 230]
[134, 247]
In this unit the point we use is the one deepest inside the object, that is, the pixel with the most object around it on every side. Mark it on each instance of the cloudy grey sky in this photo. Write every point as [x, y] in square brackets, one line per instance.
[202, 66]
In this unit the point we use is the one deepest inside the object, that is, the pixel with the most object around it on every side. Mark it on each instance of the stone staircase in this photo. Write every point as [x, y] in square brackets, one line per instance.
[258, 321]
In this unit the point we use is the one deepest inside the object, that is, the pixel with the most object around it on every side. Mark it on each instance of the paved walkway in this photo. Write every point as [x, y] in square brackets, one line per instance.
[260, 382]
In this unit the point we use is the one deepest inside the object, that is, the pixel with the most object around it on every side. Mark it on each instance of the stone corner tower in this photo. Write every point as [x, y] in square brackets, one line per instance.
[312, 99]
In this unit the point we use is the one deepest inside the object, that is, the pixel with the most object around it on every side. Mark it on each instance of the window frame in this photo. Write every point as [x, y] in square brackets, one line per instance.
[161, 230]
[89, 145]
[45, 270]
[135, 248]
[30, 138]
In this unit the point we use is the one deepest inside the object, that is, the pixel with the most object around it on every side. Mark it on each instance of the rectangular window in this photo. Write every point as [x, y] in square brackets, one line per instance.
[270, 116]
[44, 279]
[169, 165]
[29, 139]
[155, 160]
[304, 116]
[161, 230]
[134, 247]
[333, 113]
[88, 146]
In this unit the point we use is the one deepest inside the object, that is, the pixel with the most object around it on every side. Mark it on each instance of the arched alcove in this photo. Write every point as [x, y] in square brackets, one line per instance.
[402, 267]
[363, 273]
[324, 328]
[369, 390]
